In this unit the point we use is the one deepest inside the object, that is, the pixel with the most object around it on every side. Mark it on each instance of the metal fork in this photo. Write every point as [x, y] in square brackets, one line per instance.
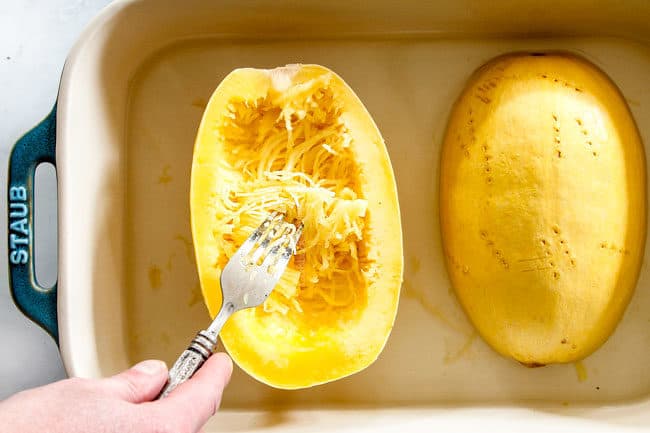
[246, 281]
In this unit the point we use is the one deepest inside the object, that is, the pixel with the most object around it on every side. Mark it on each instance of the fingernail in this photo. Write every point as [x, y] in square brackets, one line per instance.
[150, 367]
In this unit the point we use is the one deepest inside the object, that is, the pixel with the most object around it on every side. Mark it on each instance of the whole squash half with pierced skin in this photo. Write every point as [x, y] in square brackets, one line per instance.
[296, 139]
[543, 205]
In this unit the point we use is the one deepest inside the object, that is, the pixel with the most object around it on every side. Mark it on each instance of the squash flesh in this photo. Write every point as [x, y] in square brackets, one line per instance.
[292, 144]
[292, 155]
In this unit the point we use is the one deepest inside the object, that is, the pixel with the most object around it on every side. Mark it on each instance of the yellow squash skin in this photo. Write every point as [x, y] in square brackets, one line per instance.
[543, 206]
[298, 350]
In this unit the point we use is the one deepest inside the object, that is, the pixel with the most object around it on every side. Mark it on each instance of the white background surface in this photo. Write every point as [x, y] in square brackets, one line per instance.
[35, 37]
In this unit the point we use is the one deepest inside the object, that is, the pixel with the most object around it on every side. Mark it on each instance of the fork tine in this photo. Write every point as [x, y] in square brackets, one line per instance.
[281, 260]
[276, 263]
[268, 239]
[272, 252]
[249, 243]
[297, 236]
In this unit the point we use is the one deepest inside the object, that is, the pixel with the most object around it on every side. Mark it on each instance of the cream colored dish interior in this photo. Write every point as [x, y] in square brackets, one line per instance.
[141, 299]
[432, 342]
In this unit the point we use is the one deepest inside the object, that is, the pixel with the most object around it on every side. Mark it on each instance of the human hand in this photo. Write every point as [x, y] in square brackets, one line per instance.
[122, 403]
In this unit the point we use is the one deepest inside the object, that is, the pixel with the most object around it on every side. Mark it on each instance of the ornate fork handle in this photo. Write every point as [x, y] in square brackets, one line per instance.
[199, 350]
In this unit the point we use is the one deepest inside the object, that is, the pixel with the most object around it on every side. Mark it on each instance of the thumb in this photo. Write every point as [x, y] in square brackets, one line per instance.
[140, 383]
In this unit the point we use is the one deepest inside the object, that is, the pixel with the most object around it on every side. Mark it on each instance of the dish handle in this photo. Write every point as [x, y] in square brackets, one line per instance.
[36, 147]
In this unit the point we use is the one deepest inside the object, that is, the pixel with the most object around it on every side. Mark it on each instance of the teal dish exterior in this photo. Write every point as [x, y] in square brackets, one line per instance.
[36, 147]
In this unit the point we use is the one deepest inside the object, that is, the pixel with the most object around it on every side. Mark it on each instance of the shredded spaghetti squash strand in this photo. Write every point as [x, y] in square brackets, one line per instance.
[290, 152]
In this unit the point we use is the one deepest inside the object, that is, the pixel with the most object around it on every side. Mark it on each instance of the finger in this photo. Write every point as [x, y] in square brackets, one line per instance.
[196, 400]
[140, 383]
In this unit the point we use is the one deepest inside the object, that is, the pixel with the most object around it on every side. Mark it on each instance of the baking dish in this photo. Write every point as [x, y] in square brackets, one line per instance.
[121, 136]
